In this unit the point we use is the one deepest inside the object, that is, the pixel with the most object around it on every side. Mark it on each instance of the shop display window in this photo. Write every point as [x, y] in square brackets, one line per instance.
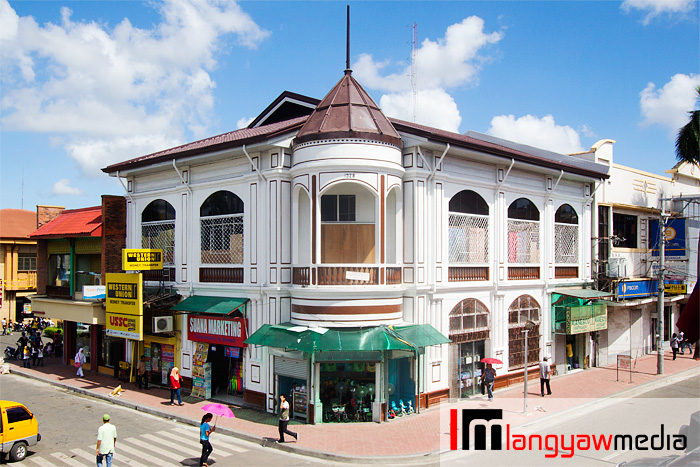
[347, 391]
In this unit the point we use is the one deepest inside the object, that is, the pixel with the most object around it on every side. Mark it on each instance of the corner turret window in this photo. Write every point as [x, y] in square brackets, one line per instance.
[338, 208]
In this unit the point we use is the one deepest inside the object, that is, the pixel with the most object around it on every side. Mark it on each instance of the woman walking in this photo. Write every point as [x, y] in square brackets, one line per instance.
[204, 431]
[674, 345]
[175, 382]
[79, 362]
[284, 420]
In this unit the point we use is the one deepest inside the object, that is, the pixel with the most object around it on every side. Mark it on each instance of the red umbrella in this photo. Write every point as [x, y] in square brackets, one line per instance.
[220, 410]
[491, 360]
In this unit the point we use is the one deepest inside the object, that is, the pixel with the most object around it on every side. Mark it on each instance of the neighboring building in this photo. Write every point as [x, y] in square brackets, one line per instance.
[626, 232]
[75, 249]
[348, 245]
[17, 263]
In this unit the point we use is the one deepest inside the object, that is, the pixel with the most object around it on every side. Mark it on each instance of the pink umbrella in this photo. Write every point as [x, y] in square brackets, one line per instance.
[220, 410]
[491, 360]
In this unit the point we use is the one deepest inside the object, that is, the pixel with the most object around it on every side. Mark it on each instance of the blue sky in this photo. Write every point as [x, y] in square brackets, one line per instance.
[86, 84]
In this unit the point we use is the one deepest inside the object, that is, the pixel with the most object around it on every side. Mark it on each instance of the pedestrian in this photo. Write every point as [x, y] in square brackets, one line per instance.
[142, 373]
[26, 355]
[40, 356]
[4, 327]
[35, 352]
[487, 379]
[106, 441]
[204, 431]
[175, 382]
[284, 420]
[674, 345]
[79, 362]
[682, 342]
[22, 341]
[570, 355]
[10, 328]
[544, 377]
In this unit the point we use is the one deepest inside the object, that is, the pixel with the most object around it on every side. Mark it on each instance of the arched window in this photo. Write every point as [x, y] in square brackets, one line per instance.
[566, 235]
[523, 232]
[468, 228]
[469, 316]
[158, 229]
[523, 309]
[221, 220]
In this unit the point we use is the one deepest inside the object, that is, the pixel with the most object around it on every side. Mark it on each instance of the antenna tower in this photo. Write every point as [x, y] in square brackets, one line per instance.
[413, 71]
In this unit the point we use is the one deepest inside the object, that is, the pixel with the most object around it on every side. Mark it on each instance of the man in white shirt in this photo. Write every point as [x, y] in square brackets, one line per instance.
[544, 376]
[106, 440]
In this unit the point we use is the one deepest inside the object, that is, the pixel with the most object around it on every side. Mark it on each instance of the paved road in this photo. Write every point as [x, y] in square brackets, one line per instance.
[642, 414]
[68, 424]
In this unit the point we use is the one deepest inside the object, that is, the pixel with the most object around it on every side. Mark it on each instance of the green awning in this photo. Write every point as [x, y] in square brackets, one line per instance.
[213, 305]
[375, 338]
[584, 294]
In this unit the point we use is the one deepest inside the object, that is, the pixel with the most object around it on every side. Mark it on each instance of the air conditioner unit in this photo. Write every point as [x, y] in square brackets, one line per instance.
[617, 267]
[162, 323]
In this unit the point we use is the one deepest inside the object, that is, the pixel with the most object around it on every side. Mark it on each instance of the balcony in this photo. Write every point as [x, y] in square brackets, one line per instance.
[221, 275]
[522, 273]
[328, 274]
[25, 280]
[565, 272]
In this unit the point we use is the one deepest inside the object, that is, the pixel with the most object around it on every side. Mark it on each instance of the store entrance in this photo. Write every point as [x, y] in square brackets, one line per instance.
[226, 372]
[469, 367]
[347, 391]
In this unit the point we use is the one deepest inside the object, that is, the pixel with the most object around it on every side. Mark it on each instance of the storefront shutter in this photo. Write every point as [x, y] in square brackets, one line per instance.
[292, 368]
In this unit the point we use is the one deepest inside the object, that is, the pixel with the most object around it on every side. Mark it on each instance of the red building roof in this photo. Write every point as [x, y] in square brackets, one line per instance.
[17, 223]
[85, 222]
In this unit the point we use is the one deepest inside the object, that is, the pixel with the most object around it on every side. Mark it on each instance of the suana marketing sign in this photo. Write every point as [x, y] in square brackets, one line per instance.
[215, 330]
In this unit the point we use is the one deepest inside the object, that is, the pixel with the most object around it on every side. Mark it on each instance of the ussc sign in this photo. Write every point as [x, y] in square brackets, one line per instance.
[124, 305]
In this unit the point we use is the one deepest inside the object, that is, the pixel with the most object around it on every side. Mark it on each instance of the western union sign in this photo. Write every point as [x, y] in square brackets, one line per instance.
[124, 294]
[675, 288]
[141, 259]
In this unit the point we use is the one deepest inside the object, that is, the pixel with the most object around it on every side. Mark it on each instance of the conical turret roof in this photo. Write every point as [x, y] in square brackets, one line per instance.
[347, 111]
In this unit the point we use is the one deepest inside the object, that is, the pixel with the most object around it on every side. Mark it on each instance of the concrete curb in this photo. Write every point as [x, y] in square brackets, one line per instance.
[409, 459]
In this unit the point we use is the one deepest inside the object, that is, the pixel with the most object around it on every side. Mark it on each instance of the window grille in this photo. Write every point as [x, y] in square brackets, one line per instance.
[222, 239]
[160, 235]
[522, 309]
[469, 239]
[565, 243]
[523, 242]
[469, 315]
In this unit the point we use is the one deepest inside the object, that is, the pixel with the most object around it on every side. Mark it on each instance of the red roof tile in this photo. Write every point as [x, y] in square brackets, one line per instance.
[17, 223]
[85, 222]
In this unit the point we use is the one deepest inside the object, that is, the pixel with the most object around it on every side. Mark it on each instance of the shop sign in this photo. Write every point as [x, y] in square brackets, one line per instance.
[141, 259]
[124, 294]
[675, 246]
[126, 326]
[94, 292]
[675, 288]
[586, 318]
[233, 352]
[27, 309]
[214, 330]
[636, 289]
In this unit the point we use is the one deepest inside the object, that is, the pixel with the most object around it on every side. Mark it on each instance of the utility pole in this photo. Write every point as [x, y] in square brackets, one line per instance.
[660, 296]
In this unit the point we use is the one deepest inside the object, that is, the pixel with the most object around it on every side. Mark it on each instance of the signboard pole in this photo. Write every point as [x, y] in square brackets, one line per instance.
[660, 296]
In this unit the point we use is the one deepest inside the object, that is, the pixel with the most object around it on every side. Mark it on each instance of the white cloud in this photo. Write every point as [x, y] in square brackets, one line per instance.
[435, 107]
[122, 92]
[244, 122]
[669, 106]
[63, 188]
[542, 133]
[452, 61]
[658, 7]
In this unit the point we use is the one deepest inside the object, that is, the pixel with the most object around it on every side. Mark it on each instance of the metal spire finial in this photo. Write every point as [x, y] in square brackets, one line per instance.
[347, 44]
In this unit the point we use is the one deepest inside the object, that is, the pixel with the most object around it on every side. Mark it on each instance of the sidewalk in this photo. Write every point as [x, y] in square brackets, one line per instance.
[412, 438]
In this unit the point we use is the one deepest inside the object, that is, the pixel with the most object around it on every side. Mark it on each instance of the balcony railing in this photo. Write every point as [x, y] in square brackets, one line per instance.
[467, 273]
[523, 273]
[25, 280]
[221, 275]
[327, 274]
[157, 275]
[565, 272]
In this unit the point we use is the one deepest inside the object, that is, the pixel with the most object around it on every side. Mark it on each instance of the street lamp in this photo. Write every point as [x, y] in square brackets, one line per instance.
[529, 326]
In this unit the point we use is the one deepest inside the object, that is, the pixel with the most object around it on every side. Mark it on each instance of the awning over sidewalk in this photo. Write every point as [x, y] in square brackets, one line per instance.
[288, 336]
[215, 305]
[584, 294]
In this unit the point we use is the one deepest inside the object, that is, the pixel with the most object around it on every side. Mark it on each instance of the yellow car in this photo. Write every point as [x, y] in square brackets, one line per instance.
[19, 429]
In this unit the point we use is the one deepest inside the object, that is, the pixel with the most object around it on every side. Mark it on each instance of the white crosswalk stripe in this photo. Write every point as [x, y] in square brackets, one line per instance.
[189, 432]
[67, 459]
[167, 448]
[189, 442]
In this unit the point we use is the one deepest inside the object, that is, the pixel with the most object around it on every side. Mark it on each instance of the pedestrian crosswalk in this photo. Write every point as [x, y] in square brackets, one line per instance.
[168, 448]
